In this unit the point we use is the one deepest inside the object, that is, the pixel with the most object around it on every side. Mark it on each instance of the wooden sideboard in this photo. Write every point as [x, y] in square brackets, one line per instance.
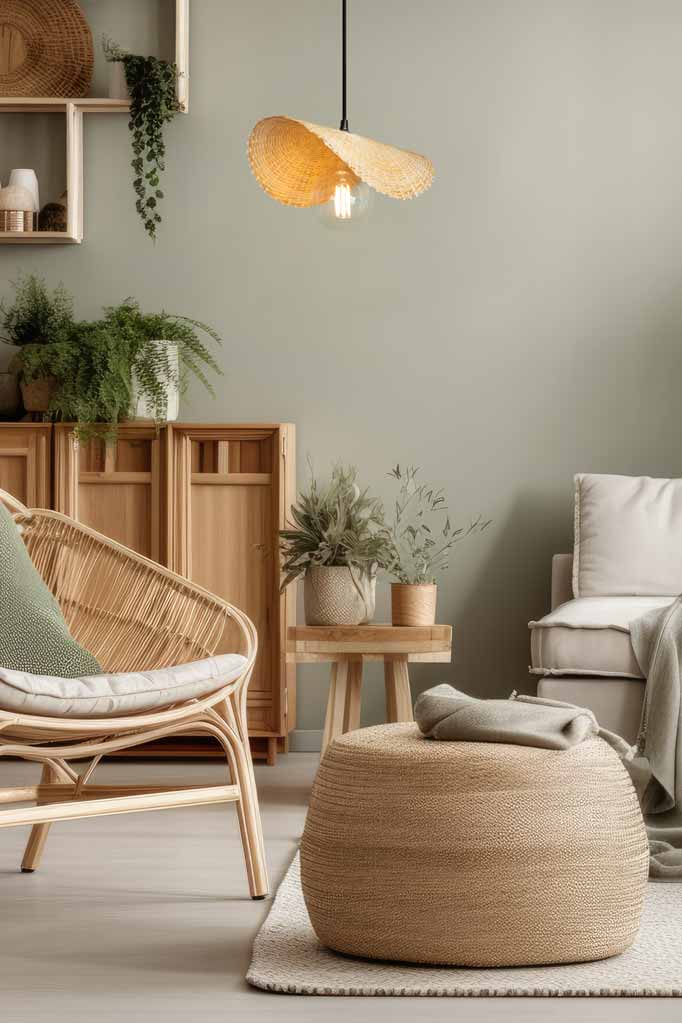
[205, 500]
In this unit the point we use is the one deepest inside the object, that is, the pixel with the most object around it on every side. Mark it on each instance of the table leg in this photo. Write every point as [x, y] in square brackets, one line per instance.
[398, 696]
[351, 718]
[336, 704]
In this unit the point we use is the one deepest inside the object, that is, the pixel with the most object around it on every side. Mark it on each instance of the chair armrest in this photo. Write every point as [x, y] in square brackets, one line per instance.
[562, 579]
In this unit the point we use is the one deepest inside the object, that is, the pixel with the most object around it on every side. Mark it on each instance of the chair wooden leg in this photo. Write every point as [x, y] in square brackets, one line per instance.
[398, 695]
[248, 811]
[36, 840]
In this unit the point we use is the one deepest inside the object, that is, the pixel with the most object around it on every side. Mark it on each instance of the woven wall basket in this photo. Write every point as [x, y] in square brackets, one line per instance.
[472, 853]
[297, 162]
[45, 48]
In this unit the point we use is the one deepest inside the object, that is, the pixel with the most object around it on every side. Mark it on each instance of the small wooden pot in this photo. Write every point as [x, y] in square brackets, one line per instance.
[36, 394]
[413, 603]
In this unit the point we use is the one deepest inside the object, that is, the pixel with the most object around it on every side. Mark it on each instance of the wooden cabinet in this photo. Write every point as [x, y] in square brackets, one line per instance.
[206, 500]
[25, 458]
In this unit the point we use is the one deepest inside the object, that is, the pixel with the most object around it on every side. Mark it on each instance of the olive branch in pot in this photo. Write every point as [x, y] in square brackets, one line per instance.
[416, 546]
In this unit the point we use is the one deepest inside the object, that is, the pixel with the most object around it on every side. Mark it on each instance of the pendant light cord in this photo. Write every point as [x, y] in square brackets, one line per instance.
[344, 60]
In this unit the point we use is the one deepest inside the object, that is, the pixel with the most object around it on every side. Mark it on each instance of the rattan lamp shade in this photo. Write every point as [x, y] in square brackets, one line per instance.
[45, 48]
[297, 162]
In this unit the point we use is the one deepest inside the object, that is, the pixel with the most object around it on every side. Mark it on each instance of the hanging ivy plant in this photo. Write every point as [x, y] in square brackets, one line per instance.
[153, 103]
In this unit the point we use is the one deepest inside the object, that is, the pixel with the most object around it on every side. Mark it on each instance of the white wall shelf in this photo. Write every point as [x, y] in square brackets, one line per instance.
[74, 108]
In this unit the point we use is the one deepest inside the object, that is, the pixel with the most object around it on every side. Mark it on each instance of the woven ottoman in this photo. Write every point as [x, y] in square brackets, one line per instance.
[472, 854]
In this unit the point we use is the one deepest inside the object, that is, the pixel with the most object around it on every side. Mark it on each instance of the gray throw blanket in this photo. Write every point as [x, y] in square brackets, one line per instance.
[445, 713]
[657, 774]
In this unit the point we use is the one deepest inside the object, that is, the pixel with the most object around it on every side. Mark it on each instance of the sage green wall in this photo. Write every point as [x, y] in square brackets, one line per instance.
[519, 322]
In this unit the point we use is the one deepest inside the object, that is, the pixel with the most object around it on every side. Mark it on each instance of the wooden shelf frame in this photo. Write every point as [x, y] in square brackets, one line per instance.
[74, 187]
[102, 104]
[74, 108]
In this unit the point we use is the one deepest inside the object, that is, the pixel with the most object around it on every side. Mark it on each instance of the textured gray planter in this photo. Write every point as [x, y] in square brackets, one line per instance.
[338, 595]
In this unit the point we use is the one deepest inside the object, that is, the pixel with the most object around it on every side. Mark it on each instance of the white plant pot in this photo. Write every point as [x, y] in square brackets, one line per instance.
[144, 411]
[338, 595]
[118, 87]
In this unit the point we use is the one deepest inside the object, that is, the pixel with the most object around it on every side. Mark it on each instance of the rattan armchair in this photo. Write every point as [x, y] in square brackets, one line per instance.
[133, 615]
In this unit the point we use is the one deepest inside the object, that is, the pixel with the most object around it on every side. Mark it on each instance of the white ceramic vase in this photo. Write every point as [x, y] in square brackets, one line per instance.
[142, 409]
[118, 87]
[26, 178]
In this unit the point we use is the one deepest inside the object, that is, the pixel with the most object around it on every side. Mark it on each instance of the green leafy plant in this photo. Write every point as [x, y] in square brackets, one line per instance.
[152, 362]
[37, 315]
[420, 539]
[336, 523]
[152, 84]
[91, 369]
[99, 370]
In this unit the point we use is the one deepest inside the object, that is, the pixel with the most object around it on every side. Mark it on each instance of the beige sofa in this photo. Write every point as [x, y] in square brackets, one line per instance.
[582, 653]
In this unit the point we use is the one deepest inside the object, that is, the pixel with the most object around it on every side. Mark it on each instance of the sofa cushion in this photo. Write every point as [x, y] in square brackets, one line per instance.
[628, 533]
[111, 695]
[589, 636]
[33, 634]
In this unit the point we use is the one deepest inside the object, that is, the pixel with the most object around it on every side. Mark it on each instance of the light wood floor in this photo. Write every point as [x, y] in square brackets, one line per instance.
[147, 917]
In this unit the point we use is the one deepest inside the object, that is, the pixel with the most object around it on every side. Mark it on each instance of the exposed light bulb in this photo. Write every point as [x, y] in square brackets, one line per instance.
[348, 202]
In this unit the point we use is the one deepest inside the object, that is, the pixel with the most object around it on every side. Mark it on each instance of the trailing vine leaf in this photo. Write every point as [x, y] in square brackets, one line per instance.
[152, 84]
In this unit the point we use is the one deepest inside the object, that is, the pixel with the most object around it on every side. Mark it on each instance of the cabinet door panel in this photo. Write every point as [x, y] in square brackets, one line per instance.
[122, 511]
[113, 488]
[231, 545]
[25, 462]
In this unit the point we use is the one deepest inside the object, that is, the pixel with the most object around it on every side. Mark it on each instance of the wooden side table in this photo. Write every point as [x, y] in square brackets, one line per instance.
[347, 647]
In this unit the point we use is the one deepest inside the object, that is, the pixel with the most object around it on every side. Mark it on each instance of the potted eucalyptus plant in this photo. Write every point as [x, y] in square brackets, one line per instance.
[152, 88]
[418, 543]
[336, 544]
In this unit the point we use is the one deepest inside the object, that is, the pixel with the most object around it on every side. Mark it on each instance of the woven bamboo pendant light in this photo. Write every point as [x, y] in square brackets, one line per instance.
[303, 164]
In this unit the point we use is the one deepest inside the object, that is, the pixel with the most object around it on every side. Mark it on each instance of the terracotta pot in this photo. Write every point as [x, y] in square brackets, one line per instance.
[413, 603]
[10, 402]
[37, 393]
[338, 595]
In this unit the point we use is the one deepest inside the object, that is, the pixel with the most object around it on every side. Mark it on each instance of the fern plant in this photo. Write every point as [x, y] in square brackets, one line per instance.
[152, 84]
[37, 314]
[335, 523]
[99, 369]
[421, 537]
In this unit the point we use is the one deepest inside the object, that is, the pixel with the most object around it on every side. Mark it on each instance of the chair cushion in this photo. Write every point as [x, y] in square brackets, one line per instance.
[102, 696]
[33, 634]
[627, 536]
[589, 636]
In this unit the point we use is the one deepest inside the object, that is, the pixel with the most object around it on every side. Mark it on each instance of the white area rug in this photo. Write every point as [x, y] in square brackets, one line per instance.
[288, 958]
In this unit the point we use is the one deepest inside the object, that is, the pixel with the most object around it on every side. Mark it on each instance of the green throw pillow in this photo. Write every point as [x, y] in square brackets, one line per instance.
[33, 634]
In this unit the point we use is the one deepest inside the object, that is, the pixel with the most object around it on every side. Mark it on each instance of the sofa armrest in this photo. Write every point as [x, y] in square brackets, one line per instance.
[562, 579]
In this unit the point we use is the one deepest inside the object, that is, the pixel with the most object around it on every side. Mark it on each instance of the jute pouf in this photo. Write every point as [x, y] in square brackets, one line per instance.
[472, 854]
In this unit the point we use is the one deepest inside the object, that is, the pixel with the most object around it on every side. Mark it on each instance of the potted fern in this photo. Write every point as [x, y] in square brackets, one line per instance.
[336, 544]
[165, 350]
[418, 543]
[37, 317]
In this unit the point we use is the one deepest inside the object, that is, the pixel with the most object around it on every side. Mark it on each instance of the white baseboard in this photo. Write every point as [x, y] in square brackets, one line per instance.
[305, 740]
